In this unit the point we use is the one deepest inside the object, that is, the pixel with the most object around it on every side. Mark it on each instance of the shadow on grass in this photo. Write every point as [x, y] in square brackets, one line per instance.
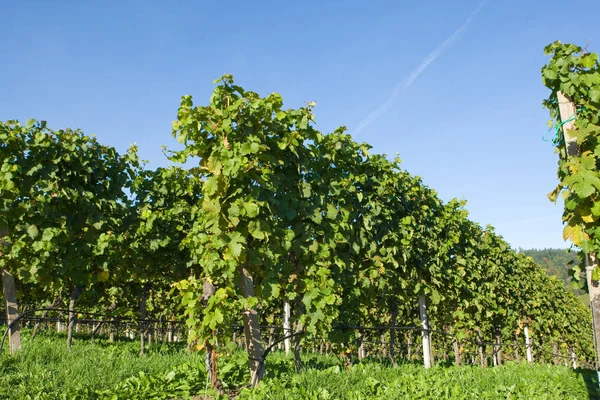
[590, 378]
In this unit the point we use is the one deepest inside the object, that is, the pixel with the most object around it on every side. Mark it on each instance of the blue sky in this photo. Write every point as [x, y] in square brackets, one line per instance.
[470, 122]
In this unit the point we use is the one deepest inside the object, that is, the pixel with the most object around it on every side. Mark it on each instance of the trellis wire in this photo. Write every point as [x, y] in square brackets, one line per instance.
[126, 319]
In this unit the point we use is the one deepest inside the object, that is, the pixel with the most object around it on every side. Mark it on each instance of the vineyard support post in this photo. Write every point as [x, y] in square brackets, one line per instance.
[208, 290]
[143, 317]
[287, 328]
[573, 358]
[10, 298]
[498, 348]
[594, 291]
[456, 351]
[299, 312]
[10, 303]
[394, 309]
[425, 332]
[297, 340]
[567, 111]
[516, 346]
[409, 345]
[251, 329]
[75, 293]
[482, 358]
[556, 353]
[361, 345]
[528, 344]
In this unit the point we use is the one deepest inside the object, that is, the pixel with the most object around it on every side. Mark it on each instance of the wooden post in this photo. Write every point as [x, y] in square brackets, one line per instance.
[528, 344]
[10, 303]
[567, 111]
[394, 315]
[425, 334]
[573, 358]
[594, 291]
[287, 328]
[117, 326]
[297, 339]
[361, 346]
[482, 359]
[10, 298]
[409, 345]
[456, 351]
[498, 349]
[143, 316]
[75, 293]
[251, 329]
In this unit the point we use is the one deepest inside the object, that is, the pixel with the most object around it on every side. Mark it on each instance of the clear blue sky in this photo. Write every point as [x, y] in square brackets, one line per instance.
[470, 123]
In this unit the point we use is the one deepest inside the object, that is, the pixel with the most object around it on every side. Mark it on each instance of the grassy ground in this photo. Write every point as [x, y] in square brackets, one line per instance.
[373, 381]
[44, 369]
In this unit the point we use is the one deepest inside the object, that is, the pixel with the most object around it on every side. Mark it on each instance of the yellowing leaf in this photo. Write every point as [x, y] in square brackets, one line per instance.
[576, 235]
[567, 232]
[588, 218]
[103, 276]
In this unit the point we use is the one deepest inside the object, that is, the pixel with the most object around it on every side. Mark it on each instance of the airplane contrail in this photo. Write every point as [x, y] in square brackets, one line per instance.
[408, 81]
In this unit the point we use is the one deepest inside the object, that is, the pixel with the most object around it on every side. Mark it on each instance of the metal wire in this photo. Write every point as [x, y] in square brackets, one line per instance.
[273, 344]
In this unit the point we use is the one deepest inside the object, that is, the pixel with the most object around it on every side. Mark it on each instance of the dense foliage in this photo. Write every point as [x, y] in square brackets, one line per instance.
[266, 211]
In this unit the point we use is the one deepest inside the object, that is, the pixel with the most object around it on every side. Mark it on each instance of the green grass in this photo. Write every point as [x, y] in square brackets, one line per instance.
[44, 369]
[409, 381]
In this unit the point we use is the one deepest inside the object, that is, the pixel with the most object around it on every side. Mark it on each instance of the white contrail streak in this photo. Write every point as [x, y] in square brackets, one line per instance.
[408, 81]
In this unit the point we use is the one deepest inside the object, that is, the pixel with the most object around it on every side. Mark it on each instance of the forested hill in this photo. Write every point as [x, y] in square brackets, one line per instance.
[555, 262]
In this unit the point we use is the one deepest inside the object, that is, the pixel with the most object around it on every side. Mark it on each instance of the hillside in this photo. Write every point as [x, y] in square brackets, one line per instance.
[556, 263]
